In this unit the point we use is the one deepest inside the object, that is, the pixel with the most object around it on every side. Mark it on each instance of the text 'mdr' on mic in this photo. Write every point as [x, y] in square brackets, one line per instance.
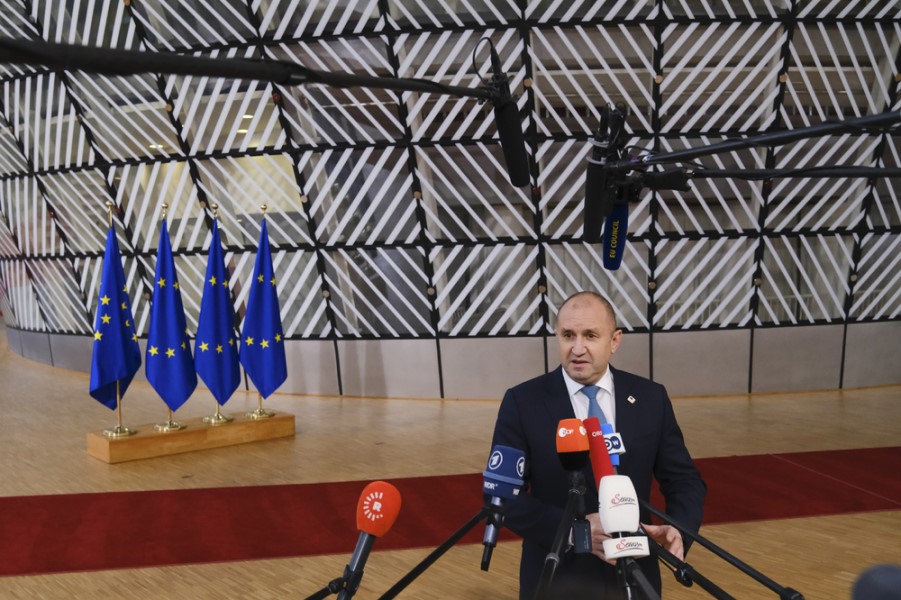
[502, 480]
[377, 510]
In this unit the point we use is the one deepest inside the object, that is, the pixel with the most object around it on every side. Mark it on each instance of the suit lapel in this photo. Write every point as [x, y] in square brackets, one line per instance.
[625, 422]
[557, 401]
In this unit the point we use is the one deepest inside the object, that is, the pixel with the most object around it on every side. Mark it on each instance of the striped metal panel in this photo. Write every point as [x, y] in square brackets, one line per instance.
[390, 213]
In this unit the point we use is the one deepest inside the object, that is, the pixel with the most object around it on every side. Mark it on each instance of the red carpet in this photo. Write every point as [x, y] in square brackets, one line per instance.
[83, 532]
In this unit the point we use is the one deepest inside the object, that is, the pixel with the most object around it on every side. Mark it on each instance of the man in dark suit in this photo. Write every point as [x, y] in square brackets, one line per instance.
[587, 337]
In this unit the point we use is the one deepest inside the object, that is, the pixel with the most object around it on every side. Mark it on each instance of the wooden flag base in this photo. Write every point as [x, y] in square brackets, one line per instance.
[197, 435]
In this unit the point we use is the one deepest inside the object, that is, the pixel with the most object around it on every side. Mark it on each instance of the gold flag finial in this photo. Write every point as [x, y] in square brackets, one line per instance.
[264, 207]
[165, 209]
[215, 210]
[109, 211]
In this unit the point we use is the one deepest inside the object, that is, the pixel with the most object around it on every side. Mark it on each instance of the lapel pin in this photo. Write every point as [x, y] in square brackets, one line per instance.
[631, 399]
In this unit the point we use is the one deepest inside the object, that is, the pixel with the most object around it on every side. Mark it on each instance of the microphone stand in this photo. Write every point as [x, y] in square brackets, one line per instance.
[488, 511]
[332, 587]
[783, 592]
[575, 508]
[633, 573]
[677, 178]
[685, 573]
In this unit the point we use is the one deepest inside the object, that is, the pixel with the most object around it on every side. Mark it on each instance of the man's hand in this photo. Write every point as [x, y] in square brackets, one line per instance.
[597, 537]
[668, 537]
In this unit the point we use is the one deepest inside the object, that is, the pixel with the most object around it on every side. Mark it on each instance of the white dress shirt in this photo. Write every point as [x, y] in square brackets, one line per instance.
[605, 396]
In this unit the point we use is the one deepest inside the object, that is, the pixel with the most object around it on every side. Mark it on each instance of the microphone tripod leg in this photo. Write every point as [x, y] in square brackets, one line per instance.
[334, 586]
[634, 574]
[435, 555]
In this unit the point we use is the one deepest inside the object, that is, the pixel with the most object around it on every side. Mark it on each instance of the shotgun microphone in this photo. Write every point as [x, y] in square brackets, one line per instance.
[601, 184]
[377, 510]
[509, 125]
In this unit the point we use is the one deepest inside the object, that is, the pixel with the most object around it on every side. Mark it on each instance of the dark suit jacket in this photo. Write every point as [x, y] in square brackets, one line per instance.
[528, 419]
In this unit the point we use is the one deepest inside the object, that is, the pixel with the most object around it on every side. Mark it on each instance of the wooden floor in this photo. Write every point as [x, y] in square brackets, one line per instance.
[45, 414]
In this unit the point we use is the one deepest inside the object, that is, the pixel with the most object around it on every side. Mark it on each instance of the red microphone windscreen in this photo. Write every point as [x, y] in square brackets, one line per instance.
[571, 436]
[597, 450]
[377, 508]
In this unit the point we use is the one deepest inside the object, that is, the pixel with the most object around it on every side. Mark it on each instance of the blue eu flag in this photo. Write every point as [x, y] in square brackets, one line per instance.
[262, 342]
[216, 347]
[170, 365]
[116, 356]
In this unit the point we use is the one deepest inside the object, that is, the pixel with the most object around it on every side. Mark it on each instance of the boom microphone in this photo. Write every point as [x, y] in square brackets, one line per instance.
[600, 180]
[509, 126]
[615, 230]
[377, 510]
[597, 450]
[502, 480]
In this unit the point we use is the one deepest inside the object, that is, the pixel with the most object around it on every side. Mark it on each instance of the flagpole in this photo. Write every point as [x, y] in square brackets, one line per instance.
[119, 430]
[260, 412]
[218, 418]
[170, 424]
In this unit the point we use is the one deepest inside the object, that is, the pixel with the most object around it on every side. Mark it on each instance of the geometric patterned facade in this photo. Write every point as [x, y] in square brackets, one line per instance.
[390, 213]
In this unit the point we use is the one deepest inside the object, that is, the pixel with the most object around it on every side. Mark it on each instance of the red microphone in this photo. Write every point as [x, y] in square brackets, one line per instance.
[377, 510]
[597, 450]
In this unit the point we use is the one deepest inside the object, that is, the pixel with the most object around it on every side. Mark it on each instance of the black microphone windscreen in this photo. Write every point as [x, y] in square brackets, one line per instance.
[509, 130]
[882, 582]
[596, 204]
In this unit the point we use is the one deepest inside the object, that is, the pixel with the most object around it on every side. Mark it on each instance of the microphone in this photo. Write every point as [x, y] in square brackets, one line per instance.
[509, 125]
[502, 480]
[377, 510]
[614, 443]
[597, 451]
[572, 444]
[619, 513]
[615, 230]
[600, 182]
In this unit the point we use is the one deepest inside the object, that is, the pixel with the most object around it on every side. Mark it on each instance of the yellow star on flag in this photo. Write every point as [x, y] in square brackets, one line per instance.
[264, 343]
[162, 282]
[170, 352]
[153, 351]
[204, 347]
[105, 319]
[97, 335]
[105, 300]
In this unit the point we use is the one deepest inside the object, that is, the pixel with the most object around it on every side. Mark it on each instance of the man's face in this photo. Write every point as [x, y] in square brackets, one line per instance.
[586, 338]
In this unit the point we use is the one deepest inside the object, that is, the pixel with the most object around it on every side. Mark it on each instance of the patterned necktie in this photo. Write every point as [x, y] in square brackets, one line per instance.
[594, 409]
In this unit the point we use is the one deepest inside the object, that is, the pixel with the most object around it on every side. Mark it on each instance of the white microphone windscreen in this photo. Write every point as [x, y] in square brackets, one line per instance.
[618, 504]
